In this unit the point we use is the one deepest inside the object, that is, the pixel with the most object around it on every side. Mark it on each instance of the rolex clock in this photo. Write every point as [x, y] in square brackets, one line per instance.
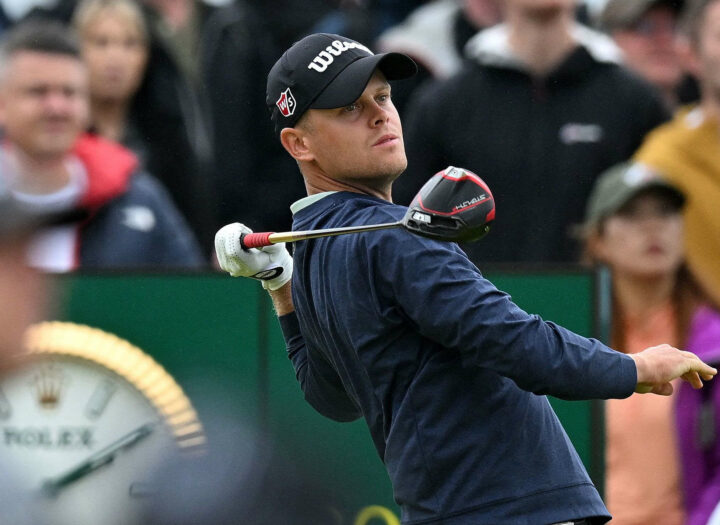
[85, 419]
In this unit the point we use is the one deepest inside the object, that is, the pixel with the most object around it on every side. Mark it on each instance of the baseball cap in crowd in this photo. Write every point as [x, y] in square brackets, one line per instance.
[616, 186]
[619, 14]
[325, 71]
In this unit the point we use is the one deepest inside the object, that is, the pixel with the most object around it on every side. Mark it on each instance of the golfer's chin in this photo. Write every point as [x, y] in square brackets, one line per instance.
[388, 175]
[394, 168]
[380, 173]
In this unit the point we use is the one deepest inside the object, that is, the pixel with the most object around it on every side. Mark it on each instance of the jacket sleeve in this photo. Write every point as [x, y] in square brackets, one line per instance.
[453, 305]
[318, 380]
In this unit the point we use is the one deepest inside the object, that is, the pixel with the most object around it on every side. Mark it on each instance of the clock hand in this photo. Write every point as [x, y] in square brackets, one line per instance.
[100, 458]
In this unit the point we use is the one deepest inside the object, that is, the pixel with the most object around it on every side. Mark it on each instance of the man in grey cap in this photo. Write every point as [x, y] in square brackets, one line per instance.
[645, 30]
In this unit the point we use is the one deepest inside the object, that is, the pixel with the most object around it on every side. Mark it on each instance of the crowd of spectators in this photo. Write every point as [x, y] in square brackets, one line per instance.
[537, 106]
[538, 98]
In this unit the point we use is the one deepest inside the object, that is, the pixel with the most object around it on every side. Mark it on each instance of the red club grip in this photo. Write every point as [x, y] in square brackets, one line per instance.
[255, 240]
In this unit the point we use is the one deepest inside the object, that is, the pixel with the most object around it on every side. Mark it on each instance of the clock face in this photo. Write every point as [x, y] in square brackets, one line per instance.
[84, 437]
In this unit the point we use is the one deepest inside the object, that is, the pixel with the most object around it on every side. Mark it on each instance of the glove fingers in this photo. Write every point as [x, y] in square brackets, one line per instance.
[275, 249]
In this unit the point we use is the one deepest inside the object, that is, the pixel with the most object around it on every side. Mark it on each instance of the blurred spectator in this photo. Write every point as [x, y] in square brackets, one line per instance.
[13, 10]
[124, 216]
[363, 20]
[634, 226]
[179, 25]
[4, 20]
[170, 112]
[254, 176]
[686, 150]
[434, 35]
[116, 47]
[114, 44]
[540, 110]
[647, 33]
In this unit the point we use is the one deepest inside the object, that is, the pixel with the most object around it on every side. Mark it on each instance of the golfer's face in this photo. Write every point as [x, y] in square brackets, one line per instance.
[362, 141]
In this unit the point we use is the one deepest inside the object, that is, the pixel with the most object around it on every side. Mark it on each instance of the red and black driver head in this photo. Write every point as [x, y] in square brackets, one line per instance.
[454, 205]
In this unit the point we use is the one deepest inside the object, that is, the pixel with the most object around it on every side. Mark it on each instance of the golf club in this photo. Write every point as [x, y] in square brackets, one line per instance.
[454, 205]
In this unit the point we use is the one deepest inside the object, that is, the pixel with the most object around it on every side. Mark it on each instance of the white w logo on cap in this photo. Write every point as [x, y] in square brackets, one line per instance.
[325, 57]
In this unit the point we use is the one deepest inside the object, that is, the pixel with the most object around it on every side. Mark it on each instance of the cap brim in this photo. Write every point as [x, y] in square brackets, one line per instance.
[349, 84]
[657, 185]
[595, 216]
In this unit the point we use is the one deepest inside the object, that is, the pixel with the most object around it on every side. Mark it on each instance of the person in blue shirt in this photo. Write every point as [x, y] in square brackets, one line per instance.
[405, 332]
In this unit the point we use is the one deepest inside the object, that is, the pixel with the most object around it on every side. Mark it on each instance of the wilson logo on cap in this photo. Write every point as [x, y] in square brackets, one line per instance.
[325, 57]
[286, 103]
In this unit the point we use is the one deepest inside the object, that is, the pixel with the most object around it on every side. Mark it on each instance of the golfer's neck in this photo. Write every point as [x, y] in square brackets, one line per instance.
[321, 183]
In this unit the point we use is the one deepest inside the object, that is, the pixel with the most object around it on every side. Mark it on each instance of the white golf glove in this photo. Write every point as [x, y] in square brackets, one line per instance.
[272, 265]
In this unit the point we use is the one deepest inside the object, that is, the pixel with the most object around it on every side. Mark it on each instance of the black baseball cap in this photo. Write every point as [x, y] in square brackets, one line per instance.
[325, 71]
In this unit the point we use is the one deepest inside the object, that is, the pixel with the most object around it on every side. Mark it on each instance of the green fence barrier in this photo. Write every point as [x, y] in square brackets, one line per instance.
[219, 339]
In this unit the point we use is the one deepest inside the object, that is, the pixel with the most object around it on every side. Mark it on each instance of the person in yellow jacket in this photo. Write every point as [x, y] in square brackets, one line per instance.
[686, 150]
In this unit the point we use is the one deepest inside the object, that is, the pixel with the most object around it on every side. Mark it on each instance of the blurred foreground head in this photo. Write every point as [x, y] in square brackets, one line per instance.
[243, 477]
[24, 292]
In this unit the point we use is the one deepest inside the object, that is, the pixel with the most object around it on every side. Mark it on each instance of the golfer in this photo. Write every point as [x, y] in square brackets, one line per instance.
[403, 331]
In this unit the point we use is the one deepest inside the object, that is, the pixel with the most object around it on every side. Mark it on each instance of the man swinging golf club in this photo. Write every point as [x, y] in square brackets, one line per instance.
[404, 331]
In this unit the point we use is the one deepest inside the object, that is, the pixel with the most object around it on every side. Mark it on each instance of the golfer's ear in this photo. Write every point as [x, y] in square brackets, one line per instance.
[295, 142]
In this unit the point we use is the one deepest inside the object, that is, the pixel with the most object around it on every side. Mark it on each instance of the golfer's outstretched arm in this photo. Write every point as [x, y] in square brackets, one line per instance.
[273, 266]
[657, 366]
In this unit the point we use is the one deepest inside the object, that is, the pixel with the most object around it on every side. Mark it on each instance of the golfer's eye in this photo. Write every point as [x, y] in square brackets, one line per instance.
[352, 107]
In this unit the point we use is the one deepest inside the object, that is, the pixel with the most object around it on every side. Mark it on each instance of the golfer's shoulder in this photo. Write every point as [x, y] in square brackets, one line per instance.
[366, 209]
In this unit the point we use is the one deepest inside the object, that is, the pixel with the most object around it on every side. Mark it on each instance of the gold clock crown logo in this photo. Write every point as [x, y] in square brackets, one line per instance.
[48, 384]
[55, 338]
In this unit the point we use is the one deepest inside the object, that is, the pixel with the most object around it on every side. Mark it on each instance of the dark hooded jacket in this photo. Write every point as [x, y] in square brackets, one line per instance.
[539, 143]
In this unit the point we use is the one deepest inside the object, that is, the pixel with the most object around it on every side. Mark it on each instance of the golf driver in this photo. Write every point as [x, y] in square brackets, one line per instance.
[454, 205]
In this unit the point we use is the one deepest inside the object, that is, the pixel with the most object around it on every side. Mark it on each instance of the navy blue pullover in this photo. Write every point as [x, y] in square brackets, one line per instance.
[449, 374]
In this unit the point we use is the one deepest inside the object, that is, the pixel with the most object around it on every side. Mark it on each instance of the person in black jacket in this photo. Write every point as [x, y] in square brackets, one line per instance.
[542, 107]
[252, 175]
